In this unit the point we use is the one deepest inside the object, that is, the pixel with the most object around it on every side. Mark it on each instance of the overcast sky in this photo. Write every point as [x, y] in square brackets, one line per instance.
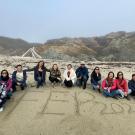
[40, 20]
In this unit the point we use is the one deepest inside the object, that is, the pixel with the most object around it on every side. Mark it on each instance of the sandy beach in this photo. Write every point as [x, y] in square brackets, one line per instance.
[62, 111]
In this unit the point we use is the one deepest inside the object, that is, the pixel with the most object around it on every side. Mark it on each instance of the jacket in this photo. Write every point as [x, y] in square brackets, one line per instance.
[122, 85]
[105, 85]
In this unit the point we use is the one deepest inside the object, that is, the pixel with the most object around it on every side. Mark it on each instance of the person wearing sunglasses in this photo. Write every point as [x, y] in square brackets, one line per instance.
[96, 79]
[109, 86]
[5, 88]
[122, 86]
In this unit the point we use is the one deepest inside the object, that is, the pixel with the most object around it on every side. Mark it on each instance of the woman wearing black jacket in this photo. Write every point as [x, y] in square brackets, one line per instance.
[40, 73]
[96, 79]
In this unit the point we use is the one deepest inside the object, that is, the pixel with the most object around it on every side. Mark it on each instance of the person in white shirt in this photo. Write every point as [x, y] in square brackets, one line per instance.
[19, 78]
[69, 76]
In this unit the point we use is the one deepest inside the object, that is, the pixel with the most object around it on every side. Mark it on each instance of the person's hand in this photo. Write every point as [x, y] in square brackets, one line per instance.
[125, 93]
[109, 89]
[105, 88]
[79, 77]
[18, 83]
[98, 86]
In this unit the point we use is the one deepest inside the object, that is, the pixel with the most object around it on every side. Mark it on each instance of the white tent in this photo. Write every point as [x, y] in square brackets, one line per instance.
[31, 53]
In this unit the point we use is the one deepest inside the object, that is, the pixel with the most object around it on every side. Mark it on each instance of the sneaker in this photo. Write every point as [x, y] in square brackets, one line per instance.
[22, 87]
[1, 109]
[127, 97]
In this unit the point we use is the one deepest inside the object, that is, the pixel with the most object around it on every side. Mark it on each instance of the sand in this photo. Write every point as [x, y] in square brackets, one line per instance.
[62, 111]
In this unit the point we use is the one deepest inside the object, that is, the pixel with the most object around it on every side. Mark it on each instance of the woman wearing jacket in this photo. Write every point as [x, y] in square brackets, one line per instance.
[69, 76]
[19, 78]
[96, 79]
[109, 86]
[55, 75]
[40, 73]
[5, 88]
[122, 86]
[131, 85]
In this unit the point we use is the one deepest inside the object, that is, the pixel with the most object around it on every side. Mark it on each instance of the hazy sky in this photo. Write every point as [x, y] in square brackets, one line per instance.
[39, 20]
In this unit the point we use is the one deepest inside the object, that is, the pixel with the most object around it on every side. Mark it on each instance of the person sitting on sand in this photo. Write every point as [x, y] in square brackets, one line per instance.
[19, 78]
[82, 75]
[40, 73]
[69, 76]
[55, 75]
[5, 88]
[109, 86]
[122, 86]
[131, 85]
[96, 79]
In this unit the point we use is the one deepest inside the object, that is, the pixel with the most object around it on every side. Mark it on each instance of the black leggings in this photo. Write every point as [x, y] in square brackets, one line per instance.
[53, 79]
[68, 83]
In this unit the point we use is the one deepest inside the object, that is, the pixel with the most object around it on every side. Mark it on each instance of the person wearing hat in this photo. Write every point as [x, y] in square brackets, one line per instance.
[82, 75]
[19, 78]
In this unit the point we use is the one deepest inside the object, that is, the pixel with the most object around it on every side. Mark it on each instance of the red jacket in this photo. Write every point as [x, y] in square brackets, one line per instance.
[8, 84]
[104, 85]
[122, 85]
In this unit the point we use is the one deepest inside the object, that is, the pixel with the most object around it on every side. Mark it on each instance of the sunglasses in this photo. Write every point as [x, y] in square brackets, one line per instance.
[120, 74]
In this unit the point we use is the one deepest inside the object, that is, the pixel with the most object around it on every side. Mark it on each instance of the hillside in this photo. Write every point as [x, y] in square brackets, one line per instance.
[118, 46]
[11, 46]
[115, 46]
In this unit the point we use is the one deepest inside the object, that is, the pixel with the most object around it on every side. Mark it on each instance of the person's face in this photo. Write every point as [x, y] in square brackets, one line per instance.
[55, 67]
[69, 67]
[97, 70]
[41, 64]
[120, 75]
[133, 78]
[111, 75]
[82, 65]
[4, 74]
[19, 68]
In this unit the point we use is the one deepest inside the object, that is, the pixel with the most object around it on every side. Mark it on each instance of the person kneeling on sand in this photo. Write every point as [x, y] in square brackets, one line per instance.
[69, 76]
[122, 86]
[55, 75]
[40, 73]
[19, 78]
[131, 85]
[109, 86]
[82, 75]
[5, 88]
[96, 79]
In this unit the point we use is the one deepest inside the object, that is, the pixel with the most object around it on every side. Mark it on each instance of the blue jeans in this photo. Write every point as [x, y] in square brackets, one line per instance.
[110, 94]
[96, 86]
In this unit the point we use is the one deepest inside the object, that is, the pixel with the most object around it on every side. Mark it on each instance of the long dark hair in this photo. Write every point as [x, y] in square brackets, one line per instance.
[94, 72]
[43, 66]
[109, 74]
[4, 78]
[110, 81]
[53, 67]
[120, 72]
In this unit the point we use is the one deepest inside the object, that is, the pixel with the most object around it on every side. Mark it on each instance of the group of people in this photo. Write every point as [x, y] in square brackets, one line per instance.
[110, 87]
